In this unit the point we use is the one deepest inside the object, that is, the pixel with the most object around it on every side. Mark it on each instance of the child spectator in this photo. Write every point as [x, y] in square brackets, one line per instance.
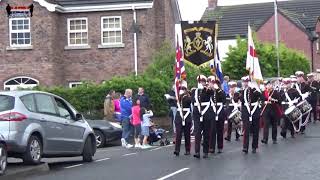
[136, 122]
[117, 111]
[145, 126]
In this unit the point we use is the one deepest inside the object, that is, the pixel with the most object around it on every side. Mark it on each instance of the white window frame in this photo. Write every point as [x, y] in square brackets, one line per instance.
[19, 31]
[22, 85]
[76, 83]
[111, 29]
[78, 31]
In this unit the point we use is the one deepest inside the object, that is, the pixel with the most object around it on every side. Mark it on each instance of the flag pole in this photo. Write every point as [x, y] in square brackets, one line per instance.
[277, 34]
[216, 29]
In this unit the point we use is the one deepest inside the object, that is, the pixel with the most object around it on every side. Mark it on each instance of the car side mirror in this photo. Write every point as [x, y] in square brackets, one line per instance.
[79, 117]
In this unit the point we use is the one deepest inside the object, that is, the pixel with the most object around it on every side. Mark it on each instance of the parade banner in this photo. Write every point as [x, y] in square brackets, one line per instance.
[198, 41]
[19, 11]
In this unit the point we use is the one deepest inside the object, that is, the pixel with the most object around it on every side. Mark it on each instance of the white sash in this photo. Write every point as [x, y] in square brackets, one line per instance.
[217, 112]
[248, 106]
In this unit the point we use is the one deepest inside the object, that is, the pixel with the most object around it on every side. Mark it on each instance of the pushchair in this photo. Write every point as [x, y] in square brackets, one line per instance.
[158, 134]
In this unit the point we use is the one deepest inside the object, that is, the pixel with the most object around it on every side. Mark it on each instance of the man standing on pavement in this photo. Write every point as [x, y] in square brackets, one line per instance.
[126, 112]
[144, 99]
[109, 105]
[225, 85]
[172, 101]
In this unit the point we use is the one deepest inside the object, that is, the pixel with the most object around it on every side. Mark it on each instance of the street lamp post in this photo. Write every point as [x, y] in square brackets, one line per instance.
[277, 34]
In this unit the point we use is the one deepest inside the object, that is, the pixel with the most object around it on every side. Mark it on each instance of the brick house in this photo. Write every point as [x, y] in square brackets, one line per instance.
[296, 18]
[69, 41]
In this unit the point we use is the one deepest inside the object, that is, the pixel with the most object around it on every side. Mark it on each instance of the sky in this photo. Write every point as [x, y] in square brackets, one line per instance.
[193, 9]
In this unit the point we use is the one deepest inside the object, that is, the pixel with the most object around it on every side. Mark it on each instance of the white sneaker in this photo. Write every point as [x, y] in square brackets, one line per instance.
[146, 146]
[128, 146]
[123, 142]
[137, 146]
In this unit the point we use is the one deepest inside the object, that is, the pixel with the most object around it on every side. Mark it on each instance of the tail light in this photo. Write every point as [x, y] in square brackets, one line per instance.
[13, 116]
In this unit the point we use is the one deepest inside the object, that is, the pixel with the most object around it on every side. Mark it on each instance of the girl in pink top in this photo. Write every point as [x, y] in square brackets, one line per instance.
[136, 122]
[117, 111]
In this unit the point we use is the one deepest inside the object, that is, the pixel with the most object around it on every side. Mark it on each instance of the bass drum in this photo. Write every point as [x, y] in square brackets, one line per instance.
[293, 114]
[304, 107]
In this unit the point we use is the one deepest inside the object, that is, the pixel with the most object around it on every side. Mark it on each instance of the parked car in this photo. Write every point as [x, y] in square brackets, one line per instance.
[3, 155]
[106, 132]
[37, 124]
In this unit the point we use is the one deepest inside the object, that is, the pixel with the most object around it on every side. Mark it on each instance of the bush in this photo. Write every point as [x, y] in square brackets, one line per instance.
[290, 60]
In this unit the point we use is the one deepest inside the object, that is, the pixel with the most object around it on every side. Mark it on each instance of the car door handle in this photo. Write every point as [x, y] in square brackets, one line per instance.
[66, 123]
[42, 120]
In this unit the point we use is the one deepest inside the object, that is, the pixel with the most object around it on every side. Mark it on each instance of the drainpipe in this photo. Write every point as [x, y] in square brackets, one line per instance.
[135, 42]
[312, 51]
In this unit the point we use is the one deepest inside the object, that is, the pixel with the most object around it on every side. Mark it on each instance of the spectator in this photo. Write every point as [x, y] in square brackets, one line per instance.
[126, 112]
[144, 99]
[171, 98]
[225, 85]
[109, 106]
[136, 122]
[117, 111]
[145, 126]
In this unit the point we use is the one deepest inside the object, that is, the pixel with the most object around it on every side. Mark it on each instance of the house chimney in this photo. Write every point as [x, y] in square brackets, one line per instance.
[212, 4]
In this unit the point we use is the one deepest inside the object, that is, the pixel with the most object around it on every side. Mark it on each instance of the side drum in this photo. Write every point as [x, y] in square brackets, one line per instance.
[304, 107]
[293, 114]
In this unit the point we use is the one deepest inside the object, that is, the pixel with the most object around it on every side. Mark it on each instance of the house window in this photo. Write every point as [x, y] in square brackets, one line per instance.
[111, 30]
[22, 82]
[77, 32]
[20, 34]
[74, 84]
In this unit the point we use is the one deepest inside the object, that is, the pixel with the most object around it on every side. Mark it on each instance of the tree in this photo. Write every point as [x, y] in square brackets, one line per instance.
[290, 60]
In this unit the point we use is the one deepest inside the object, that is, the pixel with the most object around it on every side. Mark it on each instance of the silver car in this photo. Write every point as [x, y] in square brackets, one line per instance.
[38, 124]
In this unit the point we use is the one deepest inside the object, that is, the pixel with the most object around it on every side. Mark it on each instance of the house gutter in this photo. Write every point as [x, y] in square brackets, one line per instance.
[135, 43]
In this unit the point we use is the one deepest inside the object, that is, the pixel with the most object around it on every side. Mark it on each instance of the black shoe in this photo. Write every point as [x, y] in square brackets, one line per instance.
[283, 135]
[176, 153]
[197, 155]
[212, 151]
[292, 136]
[237, 139]
[264, 141]
[205, 156]
[275, 142]
[245, 151]
[227, 139]
[219, 151]
[187, 153]
[302, 132]
[254, 151]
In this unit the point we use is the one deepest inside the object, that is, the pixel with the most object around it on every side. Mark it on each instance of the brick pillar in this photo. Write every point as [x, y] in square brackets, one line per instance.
[212, 3]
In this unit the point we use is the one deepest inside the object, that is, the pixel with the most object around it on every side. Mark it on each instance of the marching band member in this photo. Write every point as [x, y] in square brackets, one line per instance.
[202, 115]
[303, 89]
[271, 112]
[183, 120]
[232, 99]
[250, 99]
[314, 89]
[218, 100]
[289, 97]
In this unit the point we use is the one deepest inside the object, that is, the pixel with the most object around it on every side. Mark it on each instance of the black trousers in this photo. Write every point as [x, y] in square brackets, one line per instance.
[314, 109]
[270, 119]
[304, 119]
[217, 129]
[204, 127]
[186, 132]
[252, 127]
[287, 126]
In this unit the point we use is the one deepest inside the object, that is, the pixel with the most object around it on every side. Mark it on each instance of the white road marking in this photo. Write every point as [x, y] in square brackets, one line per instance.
[108, 150]
[77, 165]
[156, 148]
[101, 159]
[172, 174]
[130, 154]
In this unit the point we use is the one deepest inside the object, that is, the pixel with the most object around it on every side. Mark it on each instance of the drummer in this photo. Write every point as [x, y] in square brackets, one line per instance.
[233, 104]
[289, 98]
[303, 89]
[314, 89]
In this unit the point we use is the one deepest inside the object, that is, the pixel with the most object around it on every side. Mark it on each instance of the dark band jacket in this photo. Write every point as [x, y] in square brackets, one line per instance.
[185, 105]
[230, 104]
[218, 101]
[293, 94]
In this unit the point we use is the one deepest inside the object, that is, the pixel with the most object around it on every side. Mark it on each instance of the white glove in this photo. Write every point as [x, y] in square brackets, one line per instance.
[215, 86]
[305, 95]
[200, 86]
[167, 96]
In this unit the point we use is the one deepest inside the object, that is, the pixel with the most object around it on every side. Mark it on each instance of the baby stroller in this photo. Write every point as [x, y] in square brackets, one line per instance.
[158, 134]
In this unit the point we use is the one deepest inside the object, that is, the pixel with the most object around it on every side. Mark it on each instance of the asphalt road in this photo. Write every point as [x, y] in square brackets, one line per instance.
[290, 159]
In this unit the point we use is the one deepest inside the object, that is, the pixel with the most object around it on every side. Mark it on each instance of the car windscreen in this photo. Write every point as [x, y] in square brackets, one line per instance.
[6, 103]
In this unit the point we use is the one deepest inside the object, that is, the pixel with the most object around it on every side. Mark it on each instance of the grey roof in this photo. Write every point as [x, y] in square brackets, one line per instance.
[68, 3]
[233, 20]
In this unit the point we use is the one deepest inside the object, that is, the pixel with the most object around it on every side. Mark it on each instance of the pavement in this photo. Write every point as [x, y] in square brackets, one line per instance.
[290, 159]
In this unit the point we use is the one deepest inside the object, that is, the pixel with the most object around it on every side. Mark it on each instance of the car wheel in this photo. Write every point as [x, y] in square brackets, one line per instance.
[100, 139]
[87, 153]
[34, 151]
[3, 159]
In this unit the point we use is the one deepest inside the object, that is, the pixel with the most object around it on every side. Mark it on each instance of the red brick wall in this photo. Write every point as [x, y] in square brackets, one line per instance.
[289, 34]
[51, 64]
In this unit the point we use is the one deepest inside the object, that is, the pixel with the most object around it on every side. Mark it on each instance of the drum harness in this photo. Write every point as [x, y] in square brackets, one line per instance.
[200, 104]
[215, 104]
[182, 109]
[233, 103]
[304, 96]
[248, 104]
